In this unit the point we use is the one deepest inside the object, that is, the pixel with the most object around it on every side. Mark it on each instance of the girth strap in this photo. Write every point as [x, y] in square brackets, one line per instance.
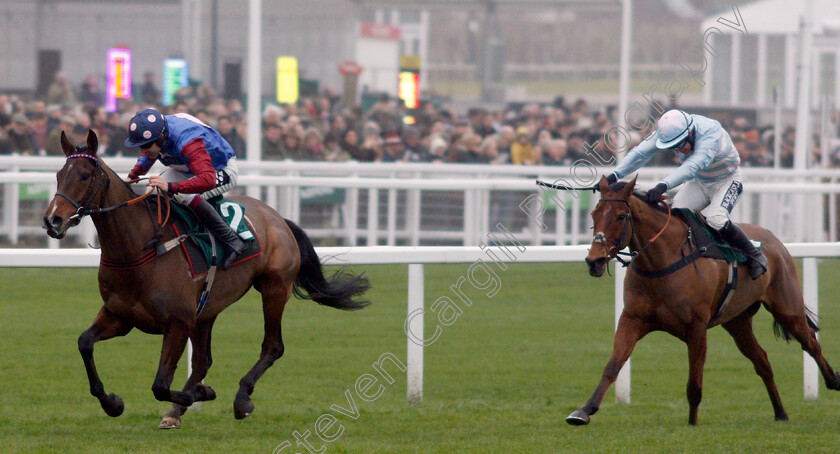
[687, 260]
[204, 296]
[728, 291]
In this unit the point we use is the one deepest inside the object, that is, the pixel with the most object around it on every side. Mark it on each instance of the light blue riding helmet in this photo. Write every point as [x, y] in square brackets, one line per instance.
[674, 126]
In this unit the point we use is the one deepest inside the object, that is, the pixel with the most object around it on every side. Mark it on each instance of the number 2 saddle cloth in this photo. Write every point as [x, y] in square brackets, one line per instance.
[198, 247]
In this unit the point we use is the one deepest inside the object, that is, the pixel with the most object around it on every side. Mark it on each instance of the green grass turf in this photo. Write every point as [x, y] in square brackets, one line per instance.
[502, 378]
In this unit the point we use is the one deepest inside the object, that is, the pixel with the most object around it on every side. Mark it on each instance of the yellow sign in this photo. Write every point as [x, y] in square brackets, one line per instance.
[410, 63]
[409, 83]
[287, 80]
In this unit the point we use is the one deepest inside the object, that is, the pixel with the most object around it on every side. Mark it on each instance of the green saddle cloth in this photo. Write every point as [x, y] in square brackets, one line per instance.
[233, 213]
[710, 238]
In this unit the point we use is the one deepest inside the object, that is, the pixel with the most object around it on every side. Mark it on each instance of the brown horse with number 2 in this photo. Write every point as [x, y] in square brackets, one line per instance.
[683, 303]
[157, 295]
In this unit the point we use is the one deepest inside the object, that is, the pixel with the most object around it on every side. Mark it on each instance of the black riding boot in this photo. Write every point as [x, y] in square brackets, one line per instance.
[208, 217]
[736, 237]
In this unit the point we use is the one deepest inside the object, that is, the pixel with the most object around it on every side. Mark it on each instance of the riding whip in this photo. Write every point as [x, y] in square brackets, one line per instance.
[567, 188]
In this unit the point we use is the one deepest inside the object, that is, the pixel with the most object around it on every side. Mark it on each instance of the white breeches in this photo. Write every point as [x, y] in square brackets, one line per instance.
[713, 200]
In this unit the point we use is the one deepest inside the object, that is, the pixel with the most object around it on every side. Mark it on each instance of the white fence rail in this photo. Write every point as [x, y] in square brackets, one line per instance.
[416, 257]
[382, 203]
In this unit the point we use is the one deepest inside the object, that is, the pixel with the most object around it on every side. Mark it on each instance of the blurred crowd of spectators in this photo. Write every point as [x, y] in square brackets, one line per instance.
[324, 129]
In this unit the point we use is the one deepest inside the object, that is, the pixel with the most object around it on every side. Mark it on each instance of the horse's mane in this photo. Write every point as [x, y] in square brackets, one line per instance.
[109, 171]
[620, 185]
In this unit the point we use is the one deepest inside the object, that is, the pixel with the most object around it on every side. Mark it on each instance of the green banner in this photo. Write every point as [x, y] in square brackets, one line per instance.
[322, 195]
[566, 197]
[35, 191]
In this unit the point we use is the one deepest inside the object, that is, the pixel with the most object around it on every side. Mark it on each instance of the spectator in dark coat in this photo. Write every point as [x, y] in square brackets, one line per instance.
[394, 149]
[272, 142]
[89, 91]
[228, 131]
[415, 151]
[20, 136]
[65, 123]
[349, 142]
[151, 94]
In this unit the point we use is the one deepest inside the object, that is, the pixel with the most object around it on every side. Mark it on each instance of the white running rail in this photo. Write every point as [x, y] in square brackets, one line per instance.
[416, 257]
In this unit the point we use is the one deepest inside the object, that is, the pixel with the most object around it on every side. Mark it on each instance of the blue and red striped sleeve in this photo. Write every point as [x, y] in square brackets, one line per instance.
[143, 165]
[200, 164]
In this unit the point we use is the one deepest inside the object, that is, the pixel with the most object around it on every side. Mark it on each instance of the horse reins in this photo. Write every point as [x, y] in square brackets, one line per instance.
[82, 209]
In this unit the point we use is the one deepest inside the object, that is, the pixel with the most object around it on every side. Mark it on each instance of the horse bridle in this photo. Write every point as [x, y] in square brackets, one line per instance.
[82, 209]
[602, 239]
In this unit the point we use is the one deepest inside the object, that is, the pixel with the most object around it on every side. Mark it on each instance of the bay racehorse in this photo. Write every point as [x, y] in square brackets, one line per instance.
[682, 301]
[156, 294]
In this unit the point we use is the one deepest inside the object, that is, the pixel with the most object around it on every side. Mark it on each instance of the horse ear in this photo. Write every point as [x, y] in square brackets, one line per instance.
[629, 188]
[66, 146]
[603, 186]
[632, 182]
[92, 142]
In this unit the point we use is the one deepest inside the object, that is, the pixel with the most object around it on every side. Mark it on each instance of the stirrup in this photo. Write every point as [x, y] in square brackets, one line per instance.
[232, 255]
[228, 260]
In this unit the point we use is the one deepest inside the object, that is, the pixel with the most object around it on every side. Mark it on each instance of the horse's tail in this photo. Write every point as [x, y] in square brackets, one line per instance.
[780, 330]
[338, 291]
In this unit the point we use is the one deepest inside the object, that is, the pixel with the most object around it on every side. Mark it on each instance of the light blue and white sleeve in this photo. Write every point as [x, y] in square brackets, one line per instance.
[637, 157]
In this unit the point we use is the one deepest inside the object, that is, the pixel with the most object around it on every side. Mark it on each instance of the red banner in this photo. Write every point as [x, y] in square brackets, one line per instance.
[379, 31]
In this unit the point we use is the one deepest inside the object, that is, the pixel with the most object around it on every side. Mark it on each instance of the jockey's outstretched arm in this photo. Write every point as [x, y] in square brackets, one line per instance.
[144, 163]
[637, 157]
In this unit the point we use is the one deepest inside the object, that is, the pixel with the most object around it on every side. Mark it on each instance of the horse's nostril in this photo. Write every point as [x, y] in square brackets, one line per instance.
[598, 261]
[55, 221]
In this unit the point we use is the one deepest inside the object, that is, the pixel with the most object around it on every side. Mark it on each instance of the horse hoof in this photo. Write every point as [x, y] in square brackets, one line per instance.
[170, 422]
[782, 417]
[113, 405]
[204, 393]
[578, 418]
[242, 409]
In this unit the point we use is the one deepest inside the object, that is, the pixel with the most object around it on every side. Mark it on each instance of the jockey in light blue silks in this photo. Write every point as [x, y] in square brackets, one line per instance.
[710, 170]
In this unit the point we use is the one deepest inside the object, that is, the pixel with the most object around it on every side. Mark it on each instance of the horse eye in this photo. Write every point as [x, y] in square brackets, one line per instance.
[622, 217]
[85, 176]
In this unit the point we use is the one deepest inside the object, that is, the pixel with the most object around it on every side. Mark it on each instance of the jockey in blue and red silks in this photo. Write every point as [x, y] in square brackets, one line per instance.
[710, 169]
[201, 165]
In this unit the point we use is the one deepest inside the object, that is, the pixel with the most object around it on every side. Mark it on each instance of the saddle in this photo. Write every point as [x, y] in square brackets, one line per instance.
[709, 244]
[197, 243]
[707, 240]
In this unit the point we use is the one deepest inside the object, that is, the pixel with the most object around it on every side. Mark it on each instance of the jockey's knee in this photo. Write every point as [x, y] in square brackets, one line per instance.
[187, 199]
[717, 221]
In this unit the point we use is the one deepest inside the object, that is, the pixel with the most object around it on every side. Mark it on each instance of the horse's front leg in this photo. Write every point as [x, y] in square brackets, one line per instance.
[201, 362]
[174, 341]
[696, 341]
[105, 326]
[629, 331]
